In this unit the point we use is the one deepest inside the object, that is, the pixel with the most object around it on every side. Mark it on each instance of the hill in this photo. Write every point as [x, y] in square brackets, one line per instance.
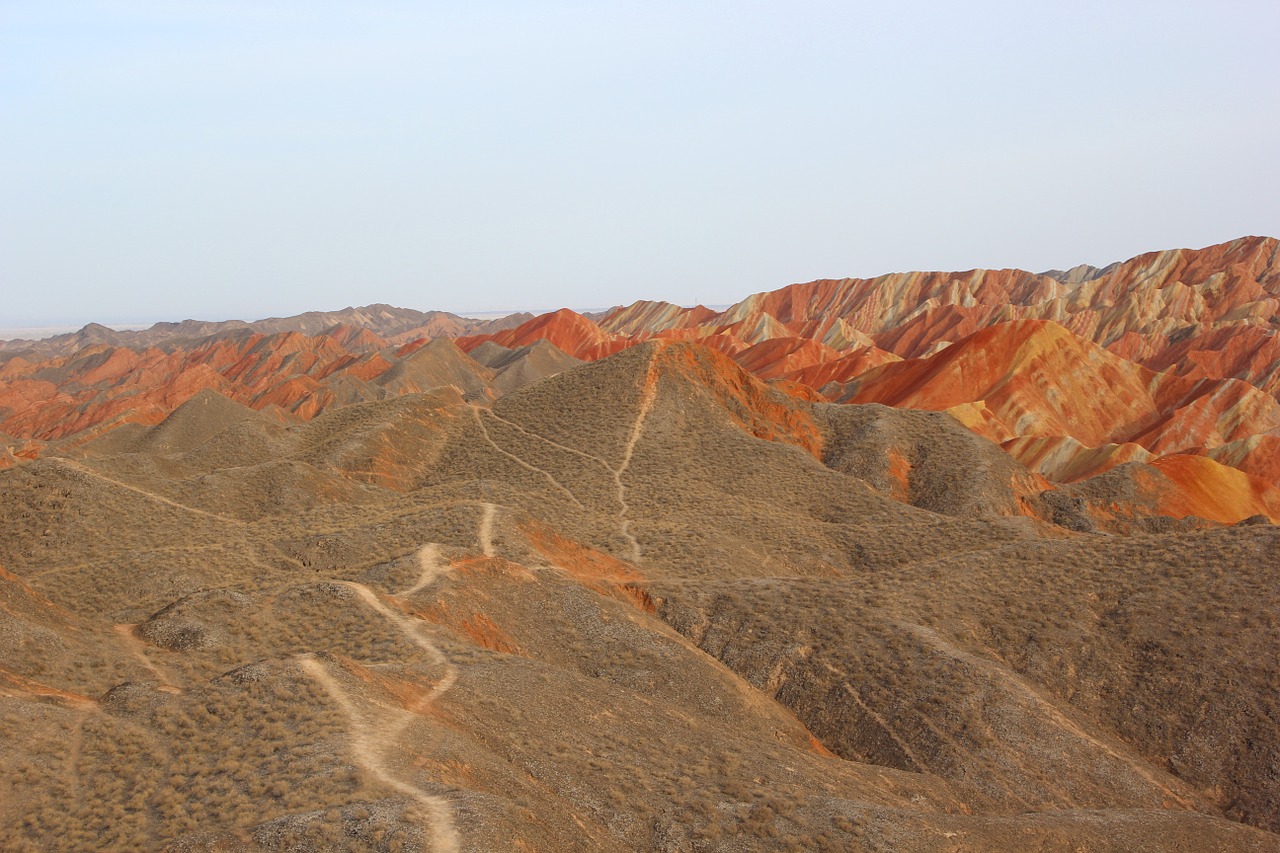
[784, 624]
[976, 561]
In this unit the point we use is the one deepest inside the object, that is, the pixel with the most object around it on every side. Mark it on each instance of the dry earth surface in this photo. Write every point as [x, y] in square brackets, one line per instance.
[640, 582]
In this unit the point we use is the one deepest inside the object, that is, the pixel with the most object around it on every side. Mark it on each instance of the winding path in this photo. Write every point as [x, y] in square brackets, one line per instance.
[89, 472]
[370, 741]
[554, 444]
[486, 529]
[431, 565]
[371, 738]
[138, 649]
[522, 463]
[647, 397]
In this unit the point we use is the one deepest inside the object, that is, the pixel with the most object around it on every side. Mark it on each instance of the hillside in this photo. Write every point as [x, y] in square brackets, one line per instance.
[977, 561]
[1074, 373]
[784, 624]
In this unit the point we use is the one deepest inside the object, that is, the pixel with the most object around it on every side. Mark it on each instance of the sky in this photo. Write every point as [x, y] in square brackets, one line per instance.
[218, 160]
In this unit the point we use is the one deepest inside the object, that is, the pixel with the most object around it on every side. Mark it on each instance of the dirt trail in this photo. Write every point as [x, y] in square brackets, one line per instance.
[486, 529]
[138, 649]
[554, 444]
[370, 740]
[484, 431]
[880, 721]
[431, 565]
[70, 767]
[89, 472]
[411, 628]
[373, 739]
[647, 397]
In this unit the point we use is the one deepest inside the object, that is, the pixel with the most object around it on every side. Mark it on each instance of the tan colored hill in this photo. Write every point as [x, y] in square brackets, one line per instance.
[646, 603]
[379, 321]
[1205, 320]
[1172, 352]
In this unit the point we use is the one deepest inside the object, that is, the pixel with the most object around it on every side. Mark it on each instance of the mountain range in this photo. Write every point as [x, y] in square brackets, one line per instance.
[1137, 364]
[973, 561]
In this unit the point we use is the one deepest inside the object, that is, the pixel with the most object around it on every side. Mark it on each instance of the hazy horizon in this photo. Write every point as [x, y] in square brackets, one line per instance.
[243, 161]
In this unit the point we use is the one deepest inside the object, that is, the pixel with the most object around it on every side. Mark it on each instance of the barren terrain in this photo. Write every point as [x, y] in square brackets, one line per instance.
[626, 594]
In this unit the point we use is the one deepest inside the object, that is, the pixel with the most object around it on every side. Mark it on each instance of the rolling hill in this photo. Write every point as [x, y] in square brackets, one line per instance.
[797, 575]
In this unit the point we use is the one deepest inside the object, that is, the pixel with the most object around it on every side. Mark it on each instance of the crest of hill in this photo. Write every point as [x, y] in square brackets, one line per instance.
[440, 363]
[1065, 460]
[841, 370]
[389, 442]
[607, 395]
[1181, 486]
[926, 459]
[568, 330]
[532, 363]
[1078, 273]
[648, 317]
[779, 357]
[490, 354]
[193, 423]
[382, 320]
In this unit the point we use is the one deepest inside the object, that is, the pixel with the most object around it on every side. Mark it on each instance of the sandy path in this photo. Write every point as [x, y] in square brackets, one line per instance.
[486, 529]
[138, 649]
[646, 404]
[372, 739]
[648, 395]
[411, 628]
[71, 769]
[89, 472]
[522, 463]
[431, 565]
[554, 444]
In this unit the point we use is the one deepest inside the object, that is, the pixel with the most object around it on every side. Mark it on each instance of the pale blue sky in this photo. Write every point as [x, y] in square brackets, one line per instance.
[164, 160]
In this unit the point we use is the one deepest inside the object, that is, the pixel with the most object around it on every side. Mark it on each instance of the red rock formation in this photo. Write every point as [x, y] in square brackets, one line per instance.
[842, 369]
[1168, 354]
[567, 330]
[1204, 488]
[780, 356]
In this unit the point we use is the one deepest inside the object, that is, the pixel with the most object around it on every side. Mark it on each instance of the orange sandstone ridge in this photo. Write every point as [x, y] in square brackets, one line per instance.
[1169, 362]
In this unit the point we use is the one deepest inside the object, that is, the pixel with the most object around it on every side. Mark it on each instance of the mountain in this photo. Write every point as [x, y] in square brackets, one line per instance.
[1168, 353]
[383, 321]
[291, 375]
[647, 602]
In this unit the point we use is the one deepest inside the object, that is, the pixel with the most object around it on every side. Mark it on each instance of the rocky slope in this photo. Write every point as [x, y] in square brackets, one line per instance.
[650, 602]
[1169, 353]
[1166, 355]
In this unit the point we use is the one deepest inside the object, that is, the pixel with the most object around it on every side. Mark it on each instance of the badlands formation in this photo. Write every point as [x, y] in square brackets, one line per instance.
[973, 561]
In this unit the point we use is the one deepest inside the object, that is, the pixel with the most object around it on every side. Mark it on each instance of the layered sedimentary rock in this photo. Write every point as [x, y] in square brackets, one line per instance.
[1170, 353]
